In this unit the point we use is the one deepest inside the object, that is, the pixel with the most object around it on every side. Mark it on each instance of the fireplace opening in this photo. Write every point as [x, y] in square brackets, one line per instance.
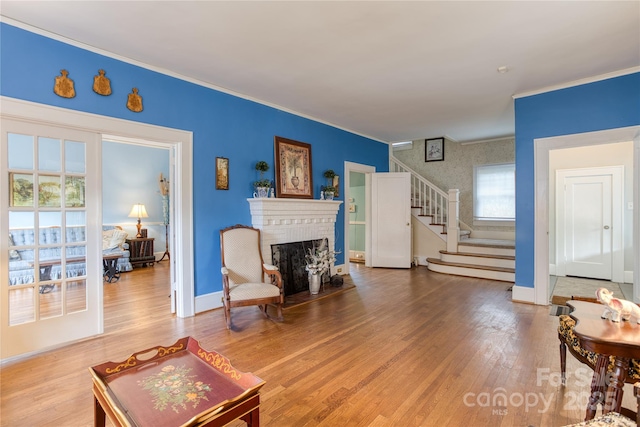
[290, 260]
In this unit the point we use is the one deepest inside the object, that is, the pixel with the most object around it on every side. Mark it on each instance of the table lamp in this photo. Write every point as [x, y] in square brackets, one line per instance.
[138, 211]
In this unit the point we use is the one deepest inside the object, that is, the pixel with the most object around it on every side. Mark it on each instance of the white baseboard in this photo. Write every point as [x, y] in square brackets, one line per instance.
[628, 277]
[208, 301]
[523, 294]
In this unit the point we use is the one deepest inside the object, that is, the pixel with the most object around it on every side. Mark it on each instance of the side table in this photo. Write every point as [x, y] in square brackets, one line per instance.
[606, 338]
[141, 250]
[111, 271]
[179, 385]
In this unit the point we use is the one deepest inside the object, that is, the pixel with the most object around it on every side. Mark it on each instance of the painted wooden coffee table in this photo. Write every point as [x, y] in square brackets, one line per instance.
[179, 385]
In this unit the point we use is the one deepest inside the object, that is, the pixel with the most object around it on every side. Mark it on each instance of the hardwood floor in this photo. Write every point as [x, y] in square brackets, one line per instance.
[403, 348]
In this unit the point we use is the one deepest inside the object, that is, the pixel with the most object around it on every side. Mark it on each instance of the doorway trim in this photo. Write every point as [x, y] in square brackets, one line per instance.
[365, 169]
[542, 147]
[180, 141]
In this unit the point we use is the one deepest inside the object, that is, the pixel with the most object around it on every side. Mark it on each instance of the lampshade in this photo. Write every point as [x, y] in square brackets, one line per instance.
[138, 211]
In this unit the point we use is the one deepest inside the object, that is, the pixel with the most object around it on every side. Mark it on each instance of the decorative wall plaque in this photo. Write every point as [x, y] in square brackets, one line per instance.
[134, 102]
[101, 84]
[64, 86]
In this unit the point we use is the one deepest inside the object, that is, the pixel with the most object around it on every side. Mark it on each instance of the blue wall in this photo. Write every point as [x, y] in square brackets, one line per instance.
[222, 125]
[608, 104]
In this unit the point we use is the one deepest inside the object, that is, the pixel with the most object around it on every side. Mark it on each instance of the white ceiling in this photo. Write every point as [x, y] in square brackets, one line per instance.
[390, 70]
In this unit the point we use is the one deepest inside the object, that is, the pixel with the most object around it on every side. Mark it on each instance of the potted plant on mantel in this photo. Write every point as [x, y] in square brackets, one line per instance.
[329, 190]
[262, 185]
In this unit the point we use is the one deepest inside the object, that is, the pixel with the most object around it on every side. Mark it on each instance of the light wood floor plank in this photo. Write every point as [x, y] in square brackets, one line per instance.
[404, 348]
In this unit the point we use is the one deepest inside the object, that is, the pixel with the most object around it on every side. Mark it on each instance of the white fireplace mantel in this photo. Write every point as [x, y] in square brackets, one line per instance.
[293, 220]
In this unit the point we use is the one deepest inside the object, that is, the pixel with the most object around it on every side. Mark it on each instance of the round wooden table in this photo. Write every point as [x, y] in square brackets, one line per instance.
[606, 338]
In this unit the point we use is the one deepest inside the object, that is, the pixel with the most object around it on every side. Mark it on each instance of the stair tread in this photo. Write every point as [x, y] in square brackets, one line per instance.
[478, 267]
[471, 254]
[489, 243]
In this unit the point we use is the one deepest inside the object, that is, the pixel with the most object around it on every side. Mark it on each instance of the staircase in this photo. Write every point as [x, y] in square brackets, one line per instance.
[464, 256]
[482, 258]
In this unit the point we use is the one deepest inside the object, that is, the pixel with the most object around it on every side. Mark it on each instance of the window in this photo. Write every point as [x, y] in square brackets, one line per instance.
[494, 194]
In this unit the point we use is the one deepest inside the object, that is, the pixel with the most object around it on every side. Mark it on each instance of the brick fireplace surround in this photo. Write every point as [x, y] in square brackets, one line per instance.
[293, 220]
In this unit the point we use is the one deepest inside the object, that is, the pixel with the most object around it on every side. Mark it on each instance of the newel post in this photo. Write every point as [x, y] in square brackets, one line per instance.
[453, 221]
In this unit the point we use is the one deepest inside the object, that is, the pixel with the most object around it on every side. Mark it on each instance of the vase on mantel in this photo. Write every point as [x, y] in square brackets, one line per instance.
[261, 192]
[314, 283]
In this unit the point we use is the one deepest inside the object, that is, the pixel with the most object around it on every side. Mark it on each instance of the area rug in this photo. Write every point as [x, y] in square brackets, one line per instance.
[305, 297]
[567, 287]
[578, 289]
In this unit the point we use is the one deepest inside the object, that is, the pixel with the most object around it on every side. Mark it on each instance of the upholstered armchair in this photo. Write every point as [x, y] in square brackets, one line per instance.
[244, 273]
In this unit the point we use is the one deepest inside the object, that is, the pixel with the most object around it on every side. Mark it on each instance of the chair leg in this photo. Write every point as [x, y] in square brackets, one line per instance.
[280, 317]
[563, 362]
[598, 386]
[636, 393]
[263, 310]
[227, 313]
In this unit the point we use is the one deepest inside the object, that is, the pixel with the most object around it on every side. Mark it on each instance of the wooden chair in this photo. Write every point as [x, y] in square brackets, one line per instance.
[244, 271]
[613, 418]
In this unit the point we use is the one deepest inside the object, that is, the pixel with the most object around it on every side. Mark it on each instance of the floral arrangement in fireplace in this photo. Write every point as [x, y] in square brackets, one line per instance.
[320, 259]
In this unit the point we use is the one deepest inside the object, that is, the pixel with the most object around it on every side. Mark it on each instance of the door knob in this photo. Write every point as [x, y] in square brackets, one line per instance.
[606, 227]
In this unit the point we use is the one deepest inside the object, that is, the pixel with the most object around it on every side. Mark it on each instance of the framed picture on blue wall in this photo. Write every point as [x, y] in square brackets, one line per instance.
[222, 173]
[434, 150]
[293, 169]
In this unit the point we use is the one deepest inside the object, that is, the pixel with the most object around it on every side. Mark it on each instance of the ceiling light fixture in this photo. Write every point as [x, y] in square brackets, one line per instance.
[503, 69]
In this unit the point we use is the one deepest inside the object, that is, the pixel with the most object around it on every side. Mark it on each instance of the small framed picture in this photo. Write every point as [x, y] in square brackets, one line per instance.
[222, 173]
[434, 150]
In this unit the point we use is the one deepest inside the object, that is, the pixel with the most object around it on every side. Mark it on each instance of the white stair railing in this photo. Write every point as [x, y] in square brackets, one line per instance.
[433, 202]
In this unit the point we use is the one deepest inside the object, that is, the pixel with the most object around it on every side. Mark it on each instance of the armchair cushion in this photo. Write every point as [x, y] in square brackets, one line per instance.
[113, 238]
[612, 419]
[249, 291]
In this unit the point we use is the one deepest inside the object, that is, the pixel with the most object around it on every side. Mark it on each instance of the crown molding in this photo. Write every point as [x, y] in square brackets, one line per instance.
[170, 73]
[580, 82]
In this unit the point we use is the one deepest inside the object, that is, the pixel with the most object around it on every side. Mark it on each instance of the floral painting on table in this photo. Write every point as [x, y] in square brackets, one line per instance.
[173, 386]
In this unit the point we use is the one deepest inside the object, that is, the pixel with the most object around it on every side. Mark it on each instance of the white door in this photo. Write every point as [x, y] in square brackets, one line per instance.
[50, 262]
[587, 221]
[391, 220]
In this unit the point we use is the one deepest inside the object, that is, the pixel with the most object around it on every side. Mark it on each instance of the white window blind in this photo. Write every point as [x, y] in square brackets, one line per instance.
[494, 192]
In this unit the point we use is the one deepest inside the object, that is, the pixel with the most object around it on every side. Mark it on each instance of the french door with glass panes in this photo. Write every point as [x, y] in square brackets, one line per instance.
[51, 259]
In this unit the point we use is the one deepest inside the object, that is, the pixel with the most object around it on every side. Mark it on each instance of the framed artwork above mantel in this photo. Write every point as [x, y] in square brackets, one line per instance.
[293, 169]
